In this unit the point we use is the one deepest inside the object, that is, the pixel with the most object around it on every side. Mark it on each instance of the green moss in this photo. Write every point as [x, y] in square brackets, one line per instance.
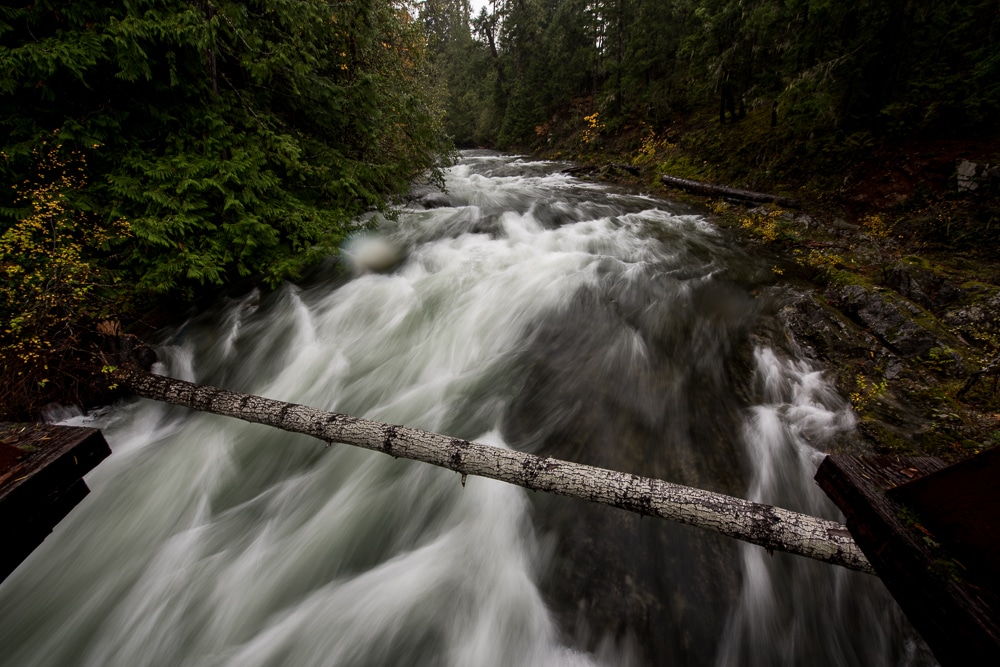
[844, 277]
[973, 446]
[682, 165]
[979, 288]
[889, 442]
[944, 566]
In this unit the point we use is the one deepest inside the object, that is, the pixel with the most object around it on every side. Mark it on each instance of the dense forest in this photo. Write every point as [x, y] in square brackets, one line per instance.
[154, 149]
[525, 72]
[865, 111]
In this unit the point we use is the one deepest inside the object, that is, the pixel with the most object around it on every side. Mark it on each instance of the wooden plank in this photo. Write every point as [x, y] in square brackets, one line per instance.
[22, 535]
[960, 505]
[956, 618]
[44, 454]
[41, 480]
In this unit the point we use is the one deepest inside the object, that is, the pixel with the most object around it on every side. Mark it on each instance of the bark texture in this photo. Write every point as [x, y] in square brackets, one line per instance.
[770, 527]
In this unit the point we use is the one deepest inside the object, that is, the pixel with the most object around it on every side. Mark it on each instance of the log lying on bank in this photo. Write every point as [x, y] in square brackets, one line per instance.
[770, 527]
[588, 168]
[729, 194]
[993, 368]
[582, 169]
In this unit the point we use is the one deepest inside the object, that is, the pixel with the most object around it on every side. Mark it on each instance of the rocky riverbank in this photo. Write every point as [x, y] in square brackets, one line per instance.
[893, 256]
[911, 334]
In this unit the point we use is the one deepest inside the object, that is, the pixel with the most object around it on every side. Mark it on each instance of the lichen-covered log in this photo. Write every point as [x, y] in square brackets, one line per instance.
[770, 527]
[733, 194]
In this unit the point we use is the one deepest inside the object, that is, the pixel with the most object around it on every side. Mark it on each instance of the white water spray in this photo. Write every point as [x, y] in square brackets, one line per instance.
[520, 313]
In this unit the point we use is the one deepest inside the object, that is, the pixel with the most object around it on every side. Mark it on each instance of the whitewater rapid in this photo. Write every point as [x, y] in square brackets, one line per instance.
[528, 309]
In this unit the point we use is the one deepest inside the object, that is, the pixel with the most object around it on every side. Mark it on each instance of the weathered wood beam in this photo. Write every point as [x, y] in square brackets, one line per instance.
[41, 480]
[732, 194]
[954, 611]
[770, 527]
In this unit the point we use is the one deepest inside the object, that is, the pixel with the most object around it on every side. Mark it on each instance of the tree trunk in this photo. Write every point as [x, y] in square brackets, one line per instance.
[770, 527]
[733, 194]
[587, 168]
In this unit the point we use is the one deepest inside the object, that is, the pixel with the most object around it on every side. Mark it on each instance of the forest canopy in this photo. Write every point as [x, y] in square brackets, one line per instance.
[233, 137]
[528, 70]
[153, 147]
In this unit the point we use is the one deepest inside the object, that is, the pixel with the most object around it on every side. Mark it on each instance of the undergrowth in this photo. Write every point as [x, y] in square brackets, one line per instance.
[53, 290]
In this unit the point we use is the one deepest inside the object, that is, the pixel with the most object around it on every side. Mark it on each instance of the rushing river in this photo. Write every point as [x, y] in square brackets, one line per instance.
[532, 311]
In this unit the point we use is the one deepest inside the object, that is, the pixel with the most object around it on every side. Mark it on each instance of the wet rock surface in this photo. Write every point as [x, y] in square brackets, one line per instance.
[923, 286]
[983, 315]
[905, 328]
[904, 356]
[852, 354]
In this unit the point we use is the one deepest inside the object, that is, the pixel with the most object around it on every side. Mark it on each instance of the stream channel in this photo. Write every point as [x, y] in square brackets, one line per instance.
[533, 311]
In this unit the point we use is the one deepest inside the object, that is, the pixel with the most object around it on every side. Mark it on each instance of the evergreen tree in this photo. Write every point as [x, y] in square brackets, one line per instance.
[235, 137]
[824, 67]
[459, 63]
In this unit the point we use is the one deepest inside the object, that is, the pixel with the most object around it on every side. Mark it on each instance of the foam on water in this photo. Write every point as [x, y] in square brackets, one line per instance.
[208, 541]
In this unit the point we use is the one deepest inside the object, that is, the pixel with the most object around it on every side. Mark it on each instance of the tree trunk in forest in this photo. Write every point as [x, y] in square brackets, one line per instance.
[726, 103]
[770, 527]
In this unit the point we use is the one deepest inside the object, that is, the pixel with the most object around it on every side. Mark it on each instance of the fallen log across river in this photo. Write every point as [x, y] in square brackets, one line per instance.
[771, 527]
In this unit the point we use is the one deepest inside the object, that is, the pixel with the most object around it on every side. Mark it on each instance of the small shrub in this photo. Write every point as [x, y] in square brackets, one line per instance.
[867, 391]
[593, 129]
[768, 226]
[55, 280]
[883, 243]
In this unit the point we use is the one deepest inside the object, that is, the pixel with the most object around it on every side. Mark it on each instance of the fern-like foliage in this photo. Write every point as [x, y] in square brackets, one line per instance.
[238, 138]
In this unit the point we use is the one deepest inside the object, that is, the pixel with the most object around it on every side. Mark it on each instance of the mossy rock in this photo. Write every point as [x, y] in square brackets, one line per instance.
[904, 327]
[924, 283]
